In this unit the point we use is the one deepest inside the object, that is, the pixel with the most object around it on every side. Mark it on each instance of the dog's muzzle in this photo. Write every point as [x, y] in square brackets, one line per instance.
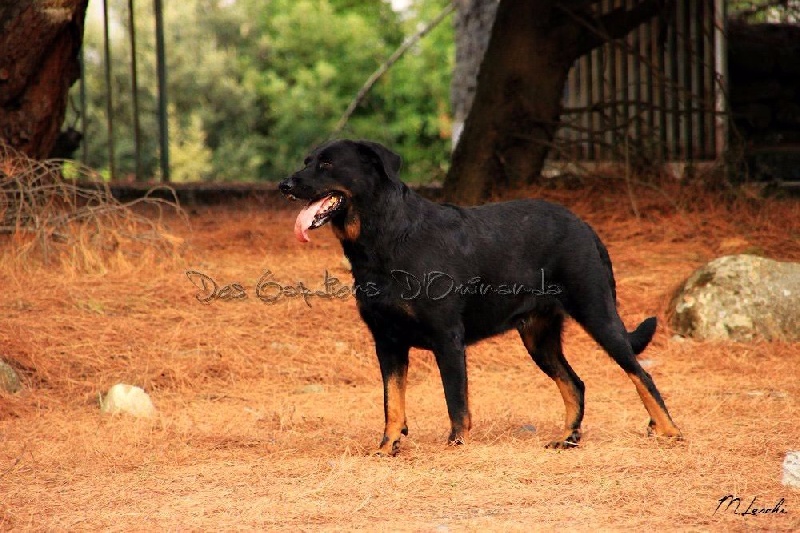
[286, 187]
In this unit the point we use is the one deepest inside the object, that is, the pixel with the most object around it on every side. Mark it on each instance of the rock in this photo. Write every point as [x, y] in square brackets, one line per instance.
[740, 298]
[122, 398]
[791, 470]
[9, 380]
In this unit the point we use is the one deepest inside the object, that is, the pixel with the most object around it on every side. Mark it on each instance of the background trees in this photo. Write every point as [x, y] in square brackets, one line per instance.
[253, 85]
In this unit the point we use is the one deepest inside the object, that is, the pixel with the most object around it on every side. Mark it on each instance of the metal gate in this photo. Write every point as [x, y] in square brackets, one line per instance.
[657, 95]
[161, 73]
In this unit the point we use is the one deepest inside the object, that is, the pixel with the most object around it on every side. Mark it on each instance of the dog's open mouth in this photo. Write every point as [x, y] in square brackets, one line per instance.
[316, 214]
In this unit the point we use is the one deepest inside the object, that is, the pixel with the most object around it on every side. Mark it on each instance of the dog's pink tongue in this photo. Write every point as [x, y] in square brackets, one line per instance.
[304, 220]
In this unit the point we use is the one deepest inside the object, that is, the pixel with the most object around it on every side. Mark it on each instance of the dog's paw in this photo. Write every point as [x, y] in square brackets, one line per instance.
[386, 449]
[458, 437]
[567, 442]
[670, 433]
[383, 453]
[561, 445]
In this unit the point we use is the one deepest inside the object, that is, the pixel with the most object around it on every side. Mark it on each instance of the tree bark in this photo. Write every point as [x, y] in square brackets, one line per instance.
[39, 45]
[518, 99]
[473, 25]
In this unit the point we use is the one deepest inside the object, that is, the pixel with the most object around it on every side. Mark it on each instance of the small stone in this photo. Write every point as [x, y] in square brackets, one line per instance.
[791, 469]
[9, 379]
[123, 398]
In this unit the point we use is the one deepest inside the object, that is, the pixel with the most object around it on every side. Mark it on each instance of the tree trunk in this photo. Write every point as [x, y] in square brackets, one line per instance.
[39, 45]
[473, 25]
[517, 104]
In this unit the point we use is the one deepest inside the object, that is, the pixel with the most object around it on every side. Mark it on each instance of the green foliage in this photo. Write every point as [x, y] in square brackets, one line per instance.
[254, 85]
[191, 158]
[760, 11]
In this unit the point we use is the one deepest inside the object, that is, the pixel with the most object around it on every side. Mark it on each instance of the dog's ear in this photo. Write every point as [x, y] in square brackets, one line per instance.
[389, 161]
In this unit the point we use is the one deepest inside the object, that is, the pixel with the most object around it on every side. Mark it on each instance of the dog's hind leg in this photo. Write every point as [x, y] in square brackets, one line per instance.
[606, 327]
[393, 359]
[541, 335]
[451, 359]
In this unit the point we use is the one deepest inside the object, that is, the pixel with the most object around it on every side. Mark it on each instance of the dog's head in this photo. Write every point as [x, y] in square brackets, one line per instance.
[338, 178]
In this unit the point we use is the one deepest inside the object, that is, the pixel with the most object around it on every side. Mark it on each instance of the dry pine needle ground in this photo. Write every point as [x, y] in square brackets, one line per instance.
[267, 413]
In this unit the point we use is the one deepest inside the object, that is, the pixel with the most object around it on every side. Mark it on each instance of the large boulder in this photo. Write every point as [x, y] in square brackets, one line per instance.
[740, 298]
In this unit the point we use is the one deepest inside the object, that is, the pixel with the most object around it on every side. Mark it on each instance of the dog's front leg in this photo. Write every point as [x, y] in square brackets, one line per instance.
[452, 361]
[393, 359]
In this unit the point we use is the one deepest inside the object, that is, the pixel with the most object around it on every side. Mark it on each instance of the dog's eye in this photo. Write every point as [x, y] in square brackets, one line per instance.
[325, 165]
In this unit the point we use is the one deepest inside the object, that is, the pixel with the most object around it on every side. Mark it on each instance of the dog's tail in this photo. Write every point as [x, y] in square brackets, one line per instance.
[640, 337]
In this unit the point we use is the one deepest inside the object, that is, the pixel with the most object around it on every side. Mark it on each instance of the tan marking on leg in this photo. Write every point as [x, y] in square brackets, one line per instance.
[571, 406]
[395, 414]
[552, 362]
[662, 424]
[571, 435]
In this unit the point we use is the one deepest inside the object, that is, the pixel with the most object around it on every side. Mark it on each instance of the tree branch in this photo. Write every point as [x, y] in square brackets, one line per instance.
[614, 24]
[411, 41]
[576, 5]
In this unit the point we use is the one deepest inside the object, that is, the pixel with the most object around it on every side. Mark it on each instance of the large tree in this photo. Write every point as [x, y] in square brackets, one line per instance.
[39, 45]
[518, 97]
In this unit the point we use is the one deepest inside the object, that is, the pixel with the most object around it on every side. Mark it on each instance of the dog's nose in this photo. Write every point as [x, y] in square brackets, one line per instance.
[286, 185]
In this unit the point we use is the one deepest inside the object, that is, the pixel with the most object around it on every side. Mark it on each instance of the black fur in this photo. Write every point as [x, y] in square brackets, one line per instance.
[402, 244]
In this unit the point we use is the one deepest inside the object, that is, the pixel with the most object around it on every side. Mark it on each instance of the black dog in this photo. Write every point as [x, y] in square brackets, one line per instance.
[445, 276]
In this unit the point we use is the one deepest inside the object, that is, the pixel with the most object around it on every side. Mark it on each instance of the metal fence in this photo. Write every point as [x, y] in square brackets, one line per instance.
[657, 95]
[161, 72]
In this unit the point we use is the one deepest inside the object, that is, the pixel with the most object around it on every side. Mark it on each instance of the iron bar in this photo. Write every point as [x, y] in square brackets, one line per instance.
[137, 132]
[109, 92]
[161, 69]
